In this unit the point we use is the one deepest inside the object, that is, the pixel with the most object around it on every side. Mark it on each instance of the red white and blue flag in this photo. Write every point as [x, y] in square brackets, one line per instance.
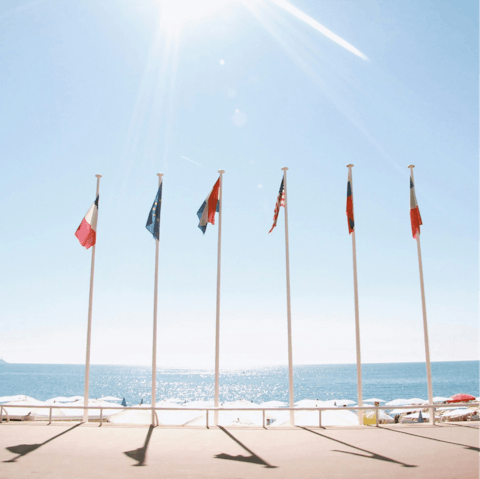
[351, 221]
[280, 202]
[415, 217]
[87, 231]
[206, 213]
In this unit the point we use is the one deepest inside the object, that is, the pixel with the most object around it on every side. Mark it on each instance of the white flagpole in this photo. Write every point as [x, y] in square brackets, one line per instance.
[424, 311]
[89, 328]
[155, 309]
[357, 314]
[289, 313]
[217, 327]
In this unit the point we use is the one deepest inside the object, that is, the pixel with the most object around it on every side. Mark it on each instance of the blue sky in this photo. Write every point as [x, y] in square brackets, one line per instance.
[129, 89]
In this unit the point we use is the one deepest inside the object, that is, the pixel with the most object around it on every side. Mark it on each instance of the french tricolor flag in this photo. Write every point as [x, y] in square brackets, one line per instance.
[415, 217]
[351, 221]
[87, 231]
[206, 213]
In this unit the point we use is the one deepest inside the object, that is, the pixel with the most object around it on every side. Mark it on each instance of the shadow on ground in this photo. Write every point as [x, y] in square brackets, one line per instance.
[371, 455]
[466, 446]
[140, 454]
[24, 449]
[253, 458]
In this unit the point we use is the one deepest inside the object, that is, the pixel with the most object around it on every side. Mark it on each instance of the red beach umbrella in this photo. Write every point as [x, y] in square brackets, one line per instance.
[461, 398]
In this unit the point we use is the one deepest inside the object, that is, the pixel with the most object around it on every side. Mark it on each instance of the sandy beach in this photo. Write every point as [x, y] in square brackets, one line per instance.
[446, 451]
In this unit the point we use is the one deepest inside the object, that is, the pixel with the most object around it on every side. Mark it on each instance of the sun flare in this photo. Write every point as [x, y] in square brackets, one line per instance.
[177, 15]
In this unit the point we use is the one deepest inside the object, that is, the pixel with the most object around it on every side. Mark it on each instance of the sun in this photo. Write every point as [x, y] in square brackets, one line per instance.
[178, 15]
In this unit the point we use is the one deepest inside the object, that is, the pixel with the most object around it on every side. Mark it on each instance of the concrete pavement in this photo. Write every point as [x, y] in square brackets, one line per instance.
[86, 451]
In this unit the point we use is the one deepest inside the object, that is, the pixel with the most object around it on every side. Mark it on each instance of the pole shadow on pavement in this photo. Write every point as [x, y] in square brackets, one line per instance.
[24, 449]
[140, 454]
[253, 458]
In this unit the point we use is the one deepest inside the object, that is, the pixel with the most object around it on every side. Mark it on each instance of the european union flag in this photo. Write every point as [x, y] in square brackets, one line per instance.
[153, 222]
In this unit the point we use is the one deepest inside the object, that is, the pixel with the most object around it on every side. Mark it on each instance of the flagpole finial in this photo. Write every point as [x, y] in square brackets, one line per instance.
[284, 168]
[98, 176]
[350, 165]
[160, 174]
[221, 171]
[411, 166]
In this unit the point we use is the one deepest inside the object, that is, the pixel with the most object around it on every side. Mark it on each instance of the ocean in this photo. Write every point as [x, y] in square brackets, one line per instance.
[385, 381]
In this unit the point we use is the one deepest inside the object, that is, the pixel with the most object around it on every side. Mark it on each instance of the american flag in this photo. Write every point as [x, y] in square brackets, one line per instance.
[280, 202]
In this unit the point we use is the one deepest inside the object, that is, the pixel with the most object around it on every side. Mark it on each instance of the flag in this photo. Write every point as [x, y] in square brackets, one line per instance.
[206, 213]
[280, 202]
[351, 222]
[87, 231]
[153, 221]
[415, 217]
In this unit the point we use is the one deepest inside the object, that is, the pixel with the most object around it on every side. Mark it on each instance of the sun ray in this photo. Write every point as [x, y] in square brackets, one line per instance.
[319, 27]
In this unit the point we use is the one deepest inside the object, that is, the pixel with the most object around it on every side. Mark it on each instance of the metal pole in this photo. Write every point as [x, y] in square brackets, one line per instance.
[424, 311]
[89, 328]
[357, 314]
[155, 310]
[217, 327]
[289, 314]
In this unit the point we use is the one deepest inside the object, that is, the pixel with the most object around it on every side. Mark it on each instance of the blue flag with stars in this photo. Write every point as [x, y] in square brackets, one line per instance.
[153, 222]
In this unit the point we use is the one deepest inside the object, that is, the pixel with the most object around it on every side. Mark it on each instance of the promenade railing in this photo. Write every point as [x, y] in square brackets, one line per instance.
[431, 409]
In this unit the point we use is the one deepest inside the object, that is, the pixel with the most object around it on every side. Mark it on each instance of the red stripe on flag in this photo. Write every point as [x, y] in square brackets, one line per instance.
[85, 234]
[350, 219]
[212, 202]
[416, 221]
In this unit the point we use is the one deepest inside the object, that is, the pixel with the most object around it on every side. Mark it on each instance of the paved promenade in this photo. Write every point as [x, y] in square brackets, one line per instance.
[87, 451]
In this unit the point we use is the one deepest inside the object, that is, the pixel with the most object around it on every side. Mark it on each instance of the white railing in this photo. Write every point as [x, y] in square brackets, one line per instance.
[431, 408]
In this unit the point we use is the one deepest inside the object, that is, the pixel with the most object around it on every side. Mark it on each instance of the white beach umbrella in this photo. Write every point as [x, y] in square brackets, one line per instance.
[241, 403]
[450, 408]
[28, 409]
[381, 415]
[417, 401]
[132, 417]
[310, 403]
[425, 415]
[274, 404]
[403, 411]
[75, 398]
[19, 397]
[439, 399]
[310, 418]
[458, 413]
[56, 400]
[339, 402]
[373, 400]
[398, 402]
[110, 398]
[199, 404]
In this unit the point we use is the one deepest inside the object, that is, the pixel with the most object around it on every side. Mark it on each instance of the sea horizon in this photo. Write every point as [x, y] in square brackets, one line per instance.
[228, 368]
[387, 381]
